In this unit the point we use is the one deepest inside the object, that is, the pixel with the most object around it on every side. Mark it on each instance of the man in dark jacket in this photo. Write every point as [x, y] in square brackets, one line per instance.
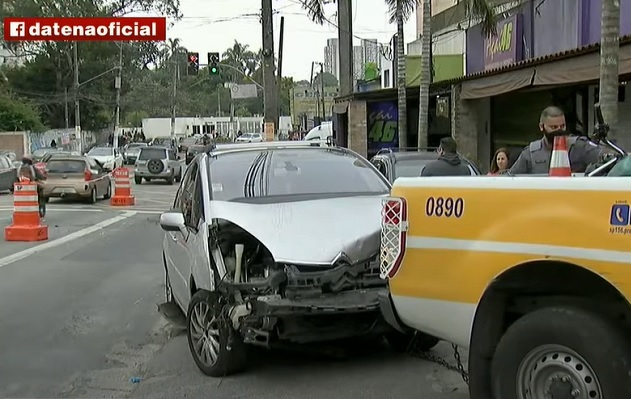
[448, 162]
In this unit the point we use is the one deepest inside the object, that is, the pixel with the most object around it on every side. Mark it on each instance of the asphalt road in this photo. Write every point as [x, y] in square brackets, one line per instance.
[79, 320]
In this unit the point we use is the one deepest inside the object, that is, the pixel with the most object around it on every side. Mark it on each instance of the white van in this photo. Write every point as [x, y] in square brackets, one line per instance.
[321, 132]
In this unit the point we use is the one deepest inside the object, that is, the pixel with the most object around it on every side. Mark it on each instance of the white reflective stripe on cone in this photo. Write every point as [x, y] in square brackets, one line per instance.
[25, 187]
[25, 198]
[24, 209]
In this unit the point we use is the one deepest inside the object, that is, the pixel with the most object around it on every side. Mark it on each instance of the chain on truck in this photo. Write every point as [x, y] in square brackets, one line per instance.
[532, 275]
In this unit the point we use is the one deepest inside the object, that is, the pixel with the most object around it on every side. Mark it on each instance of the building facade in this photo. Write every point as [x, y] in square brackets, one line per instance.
[331, 58]
[512, 77]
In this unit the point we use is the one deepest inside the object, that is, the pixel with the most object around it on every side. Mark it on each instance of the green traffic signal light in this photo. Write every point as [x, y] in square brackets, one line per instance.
[213, 70]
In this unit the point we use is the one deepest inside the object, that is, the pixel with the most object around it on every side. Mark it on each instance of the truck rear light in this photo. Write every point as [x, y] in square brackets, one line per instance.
[394, 229]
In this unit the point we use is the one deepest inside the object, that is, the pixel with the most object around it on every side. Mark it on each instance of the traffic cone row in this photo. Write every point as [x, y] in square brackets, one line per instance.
[560, 160]
[27, 224]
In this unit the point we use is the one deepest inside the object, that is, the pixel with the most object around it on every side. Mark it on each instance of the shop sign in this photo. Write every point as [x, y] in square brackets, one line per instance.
[504, 48]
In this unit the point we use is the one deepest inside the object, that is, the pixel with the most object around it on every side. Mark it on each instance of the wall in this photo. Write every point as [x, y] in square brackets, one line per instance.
[546, 18]
[303, 101]
[438, 6]
[357, 126]
[476, 42]
[445, 67]
[387, 72]
[590, 20]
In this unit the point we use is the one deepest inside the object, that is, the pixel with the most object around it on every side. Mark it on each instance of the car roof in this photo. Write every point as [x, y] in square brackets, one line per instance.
[159, 147]
[268, 145]
[70, 158]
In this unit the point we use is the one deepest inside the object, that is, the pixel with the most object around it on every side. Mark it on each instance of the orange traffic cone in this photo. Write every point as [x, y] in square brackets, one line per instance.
[122, 189]
[560, 160]
[26, 225]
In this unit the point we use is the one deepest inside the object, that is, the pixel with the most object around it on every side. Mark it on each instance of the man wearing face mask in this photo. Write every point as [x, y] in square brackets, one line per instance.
[535, 158]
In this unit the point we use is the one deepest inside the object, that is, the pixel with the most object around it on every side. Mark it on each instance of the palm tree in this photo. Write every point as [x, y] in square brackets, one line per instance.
[240, 57]
[475, 9]
[400, 12]
[609, 60]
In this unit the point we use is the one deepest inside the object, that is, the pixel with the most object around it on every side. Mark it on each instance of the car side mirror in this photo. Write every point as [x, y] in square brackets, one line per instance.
[172, 221]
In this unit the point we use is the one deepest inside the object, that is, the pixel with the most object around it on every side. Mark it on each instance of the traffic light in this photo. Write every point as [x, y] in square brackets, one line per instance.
[213, 63]
[193, 64]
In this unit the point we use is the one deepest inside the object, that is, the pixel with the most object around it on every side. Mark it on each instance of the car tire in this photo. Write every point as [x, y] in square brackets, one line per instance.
[93, 196]
[137, 180]
[178, 178]
[598, 364]
[170, 180]
[108, 192]
[168, 289]
[402, 342]
[213, 329]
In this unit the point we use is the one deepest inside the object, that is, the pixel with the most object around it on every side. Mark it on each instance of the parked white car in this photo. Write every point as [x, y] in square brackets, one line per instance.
[109, 157]
[250, 138]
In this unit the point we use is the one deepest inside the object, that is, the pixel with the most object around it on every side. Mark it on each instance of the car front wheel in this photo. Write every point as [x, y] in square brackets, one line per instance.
[216, 347]
[562, 352]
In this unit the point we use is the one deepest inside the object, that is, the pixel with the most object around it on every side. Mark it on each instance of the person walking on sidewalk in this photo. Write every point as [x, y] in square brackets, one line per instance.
[448, 162]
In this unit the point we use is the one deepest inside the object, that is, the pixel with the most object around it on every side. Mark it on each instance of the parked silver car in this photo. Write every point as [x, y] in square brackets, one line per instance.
[8, 174]
[273, 243]
[157, 163]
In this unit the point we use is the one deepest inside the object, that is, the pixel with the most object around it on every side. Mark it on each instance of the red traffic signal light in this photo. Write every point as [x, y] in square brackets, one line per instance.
[193, 63]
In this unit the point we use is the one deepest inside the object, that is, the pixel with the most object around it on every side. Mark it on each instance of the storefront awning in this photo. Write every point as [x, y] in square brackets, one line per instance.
[584, 68]
[495, 85]
[340, 108]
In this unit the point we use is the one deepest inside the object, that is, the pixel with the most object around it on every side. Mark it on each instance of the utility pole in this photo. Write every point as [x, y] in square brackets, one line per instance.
[322, 94]
[174, 99]
[219, 102]
[345, 46]
[77, 115]
[117, 85]
[269, 76]
[279, 80]
[66, 110]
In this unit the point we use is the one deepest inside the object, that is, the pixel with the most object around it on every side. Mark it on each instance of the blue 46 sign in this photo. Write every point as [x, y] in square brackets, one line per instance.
[383, 132]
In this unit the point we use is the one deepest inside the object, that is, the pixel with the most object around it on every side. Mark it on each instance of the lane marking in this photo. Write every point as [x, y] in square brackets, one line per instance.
[602, 255]
[7, 260]
[7, 209]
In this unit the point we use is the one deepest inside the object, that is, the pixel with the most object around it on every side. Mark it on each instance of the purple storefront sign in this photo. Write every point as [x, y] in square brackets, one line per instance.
[505, 48]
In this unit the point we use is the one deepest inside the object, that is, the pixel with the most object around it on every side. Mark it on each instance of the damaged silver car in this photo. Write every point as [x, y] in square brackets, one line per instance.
[270, 244]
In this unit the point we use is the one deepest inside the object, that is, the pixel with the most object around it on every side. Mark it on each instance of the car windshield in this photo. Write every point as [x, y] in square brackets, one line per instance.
[292, 174]
[137, 145]
[5, 163]
[410, 168]
[66, 166]
[196, 149]
[162, 141]
[152, 153]
[247, 135]
[101, 151]
[49, 155]
[42, 151]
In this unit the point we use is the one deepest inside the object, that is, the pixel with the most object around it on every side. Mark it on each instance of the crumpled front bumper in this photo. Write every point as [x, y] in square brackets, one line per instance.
[357, 301]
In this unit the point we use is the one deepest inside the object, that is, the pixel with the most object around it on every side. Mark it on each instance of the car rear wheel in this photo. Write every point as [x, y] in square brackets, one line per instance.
[216, 347]
[562, 352]
[138, 180]
[93, 196]
[178, 178]
[170, 180]
[108, 192]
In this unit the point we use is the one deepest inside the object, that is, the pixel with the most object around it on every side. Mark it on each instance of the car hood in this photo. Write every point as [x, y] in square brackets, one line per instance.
[102, 158]
[310, 232]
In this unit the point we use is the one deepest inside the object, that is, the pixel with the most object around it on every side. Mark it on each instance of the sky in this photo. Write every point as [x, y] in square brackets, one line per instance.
[213, 26]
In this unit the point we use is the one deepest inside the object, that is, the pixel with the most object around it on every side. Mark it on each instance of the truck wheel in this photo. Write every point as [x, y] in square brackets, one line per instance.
[562, 352]
[401, 342]
[217, 349]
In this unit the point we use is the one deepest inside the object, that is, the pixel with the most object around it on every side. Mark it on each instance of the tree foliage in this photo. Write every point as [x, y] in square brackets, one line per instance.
[46, 80]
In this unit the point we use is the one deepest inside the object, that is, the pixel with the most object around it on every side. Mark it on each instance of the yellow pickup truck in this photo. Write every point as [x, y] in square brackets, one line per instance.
[531, 274]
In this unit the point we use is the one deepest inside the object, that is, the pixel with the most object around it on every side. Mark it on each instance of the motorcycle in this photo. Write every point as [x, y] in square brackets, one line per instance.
[617, 162]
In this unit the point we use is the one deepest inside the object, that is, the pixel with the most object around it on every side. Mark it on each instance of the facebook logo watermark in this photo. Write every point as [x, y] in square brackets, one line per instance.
[17, 29]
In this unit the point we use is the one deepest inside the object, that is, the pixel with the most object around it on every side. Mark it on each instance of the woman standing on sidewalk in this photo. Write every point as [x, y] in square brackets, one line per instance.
[499, 163]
